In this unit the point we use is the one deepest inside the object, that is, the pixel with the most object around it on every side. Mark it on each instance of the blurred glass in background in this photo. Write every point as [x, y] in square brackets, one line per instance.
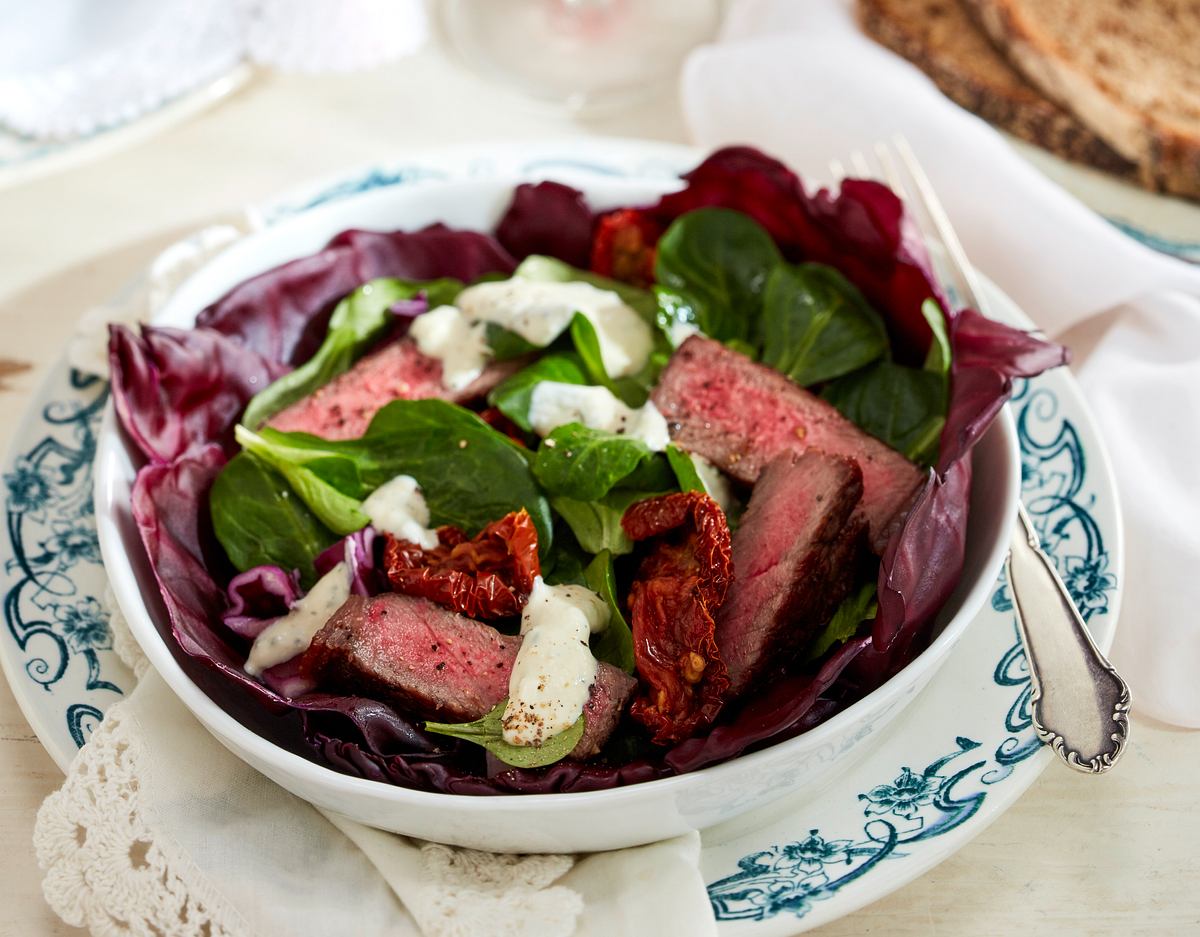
[579, 55]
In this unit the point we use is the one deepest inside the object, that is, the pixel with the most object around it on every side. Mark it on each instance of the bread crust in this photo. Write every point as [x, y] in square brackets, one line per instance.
[963, 64]
[1162, 139]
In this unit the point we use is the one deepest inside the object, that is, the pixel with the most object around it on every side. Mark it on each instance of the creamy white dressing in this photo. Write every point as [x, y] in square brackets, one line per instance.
[715, 483]
[460, 344]
[293, 633]
[553, 404]
[540, 310]
[680, 332]
[398, 508]
[554, 670]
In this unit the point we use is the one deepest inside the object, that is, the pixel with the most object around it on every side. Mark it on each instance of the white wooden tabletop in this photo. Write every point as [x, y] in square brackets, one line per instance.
[1076, 855]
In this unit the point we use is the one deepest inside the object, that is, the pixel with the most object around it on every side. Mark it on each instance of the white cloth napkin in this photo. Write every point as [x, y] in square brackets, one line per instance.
[158, 830]
[69, 68]
[799, 80]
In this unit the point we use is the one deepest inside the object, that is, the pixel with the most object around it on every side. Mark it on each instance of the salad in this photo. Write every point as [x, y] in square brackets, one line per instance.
[592, 499]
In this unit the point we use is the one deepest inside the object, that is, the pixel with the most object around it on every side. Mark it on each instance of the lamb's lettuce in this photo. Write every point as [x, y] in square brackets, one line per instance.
[675, 314]
[858, 607]
[684, 467]
[577, 462]
[446, 448]
[632, 390]
[937, 359]
[329, 485]
[597, 524]
[563, 565]
[514, 396]
[260, 523]
[488, 731]
[358, 321]
[613, 644]
[717, 262]
[902, 406]
[505, 344]
[817, 325]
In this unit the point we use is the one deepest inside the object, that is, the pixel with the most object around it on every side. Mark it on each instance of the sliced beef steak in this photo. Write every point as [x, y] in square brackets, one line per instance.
[343, 408]
[439, 665]
[740, 415]
[795, 556]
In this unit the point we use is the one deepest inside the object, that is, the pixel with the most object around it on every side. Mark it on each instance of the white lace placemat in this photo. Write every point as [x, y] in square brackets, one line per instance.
[158, 831]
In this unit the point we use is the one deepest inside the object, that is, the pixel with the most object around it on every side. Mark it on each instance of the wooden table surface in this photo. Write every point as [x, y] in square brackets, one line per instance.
[1076, 855]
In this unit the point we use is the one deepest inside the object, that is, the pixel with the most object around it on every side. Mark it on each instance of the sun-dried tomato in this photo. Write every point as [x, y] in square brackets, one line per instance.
[499, 422]
[673, 602]
[624, 246]
[488, 576]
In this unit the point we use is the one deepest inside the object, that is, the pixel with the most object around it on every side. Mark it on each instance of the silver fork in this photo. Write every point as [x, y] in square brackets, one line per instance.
[1080, 703]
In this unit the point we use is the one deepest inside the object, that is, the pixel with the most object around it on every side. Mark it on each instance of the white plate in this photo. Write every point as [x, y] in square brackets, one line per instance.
[953, 762]
[23, 159]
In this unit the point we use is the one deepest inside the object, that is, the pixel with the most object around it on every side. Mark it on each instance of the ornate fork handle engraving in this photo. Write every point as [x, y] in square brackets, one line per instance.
[1080, 703]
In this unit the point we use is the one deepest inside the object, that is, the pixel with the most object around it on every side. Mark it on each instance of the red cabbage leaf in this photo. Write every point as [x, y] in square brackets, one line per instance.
[547, 218]
[282, 313]
[177, 390]
[257, 597]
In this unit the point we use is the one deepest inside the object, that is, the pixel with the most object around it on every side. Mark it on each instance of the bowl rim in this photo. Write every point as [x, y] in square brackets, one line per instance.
[112, 448]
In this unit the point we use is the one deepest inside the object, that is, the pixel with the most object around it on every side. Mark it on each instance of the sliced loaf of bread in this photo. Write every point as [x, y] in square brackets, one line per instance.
[1129, 69]
[939, 37]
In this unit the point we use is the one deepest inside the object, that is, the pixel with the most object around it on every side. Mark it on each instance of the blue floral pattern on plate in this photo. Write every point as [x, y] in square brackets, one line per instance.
[52, 533]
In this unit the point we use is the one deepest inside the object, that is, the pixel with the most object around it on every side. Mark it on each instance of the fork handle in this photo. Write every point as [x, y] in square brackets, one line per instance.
[1080, 703]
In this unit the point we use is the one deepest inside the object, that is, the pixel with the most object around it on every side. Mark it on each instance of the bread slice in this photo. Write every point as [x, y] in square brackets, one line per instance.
[939, 37]
[1129, 69]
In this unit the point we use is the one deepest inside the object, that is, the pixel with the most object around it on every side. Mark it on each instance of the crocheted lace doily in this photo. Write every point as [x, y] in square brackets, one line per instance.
[106, 868]
[109, 867]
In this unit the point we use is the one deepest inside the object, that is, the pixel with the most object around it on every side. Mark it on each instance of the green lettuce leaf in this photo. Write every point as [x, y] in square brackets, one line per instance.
[489, 732]
[514, 396]
[260, 523]
[856, 608]
[718, 261]
[586, 464]
[904, 407]
[614, 644]
[597, 524]
[446, 448]
[817, 325]
[320, 480]
[632, 390]
[937, 359]
[684, 467]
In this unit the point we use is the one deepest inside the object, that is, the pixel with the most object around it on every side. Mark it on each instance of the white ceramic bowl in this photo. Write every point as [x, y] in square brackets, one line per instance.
[546, 822]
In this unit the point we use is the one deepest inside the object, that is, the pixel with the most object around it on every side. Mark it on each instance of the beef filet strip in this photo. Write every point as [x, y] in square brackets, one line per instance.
[795, 556]
[433, 662]
[740, 415]
[343, 408]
